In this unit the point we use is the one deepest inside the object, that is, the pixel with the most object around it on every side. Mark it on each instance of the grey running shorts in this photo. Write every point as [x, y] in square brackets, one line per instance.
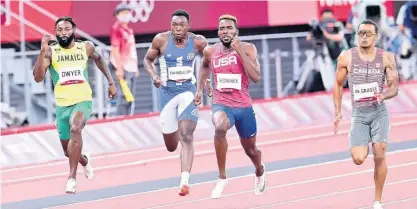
[369, 124]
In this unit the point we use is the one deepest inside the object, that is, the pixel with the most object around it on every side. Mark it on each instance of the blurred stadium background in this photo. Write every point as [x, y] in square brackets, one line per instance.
[278, 28]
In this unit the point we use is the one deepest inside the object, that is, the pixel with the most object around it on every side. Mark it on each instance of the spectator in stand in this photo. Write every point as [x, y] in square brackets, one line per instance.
[123, 57]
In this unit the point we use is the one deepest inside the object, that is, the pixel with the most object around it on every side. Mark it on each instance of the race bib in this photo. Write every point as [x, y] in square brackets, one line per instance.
[366, 91]
[229, 81]
[180, 73]
[70, 76]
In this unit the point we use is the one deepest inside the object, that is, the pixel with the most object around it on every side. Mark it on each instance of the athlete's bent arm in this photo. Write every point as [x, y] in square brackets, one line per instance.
[392, 76]
[42, 64]
[341, 73]
[153, 53]
[203, 75]
[250, 61]
[204, 72]
[200, 43]
[44, 60]
[99, 60]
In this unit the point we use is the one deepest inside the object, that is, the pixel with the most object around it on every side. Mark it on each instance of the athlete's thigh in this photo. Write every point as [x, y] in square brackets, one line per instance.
[380, 126]
[222, 116]
[63, 115]
[168, 111]
[359, 137]
[360, 129]
[245, 122]
[83, 107]
[187, 110]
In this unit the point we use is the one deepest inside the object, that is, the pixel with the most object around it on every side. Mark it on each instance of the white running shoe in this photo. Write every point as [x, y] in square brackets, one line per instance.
[88, 169]
[377, 205]
[71, 186]
[184, 187]
[260, 182]
[217, 192]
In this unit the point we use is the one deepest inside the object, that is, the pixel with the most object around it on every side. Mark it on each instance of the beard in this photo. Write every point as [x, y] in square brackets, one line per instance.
[65, 41]
[226, 44]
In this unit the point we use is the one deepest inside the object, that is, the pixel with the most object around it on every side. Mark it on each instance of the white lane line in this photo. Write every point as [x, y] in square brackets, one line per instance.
[200, 153]
[392, 202]
[197, 143]
[334, 193]
[290, 184]
[251, 175]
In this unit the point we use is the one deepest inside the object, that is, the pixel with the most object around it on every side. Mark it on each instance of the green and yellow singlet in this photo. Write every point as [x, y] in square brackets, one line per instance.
[70, 75]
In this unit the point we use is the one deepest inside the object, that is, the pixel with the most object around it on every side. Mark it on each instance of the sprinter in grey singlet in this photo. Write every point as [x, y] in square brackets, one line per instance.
[367, 68]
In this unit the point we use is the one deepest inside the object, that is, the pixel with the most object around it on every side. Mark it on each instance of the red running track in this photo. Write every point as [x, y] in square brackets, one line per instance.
[321, 186]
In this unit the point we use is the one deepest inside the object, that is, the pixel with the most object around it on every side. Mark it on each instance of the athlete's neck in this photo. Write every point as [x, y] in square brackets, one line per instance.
[226, 48]
[72, 44]
[368, 51]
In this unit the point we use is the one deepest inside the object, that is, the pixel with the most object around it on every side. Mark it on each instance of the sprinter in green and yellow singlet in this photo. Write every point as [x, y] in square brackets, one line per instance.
[67, 63]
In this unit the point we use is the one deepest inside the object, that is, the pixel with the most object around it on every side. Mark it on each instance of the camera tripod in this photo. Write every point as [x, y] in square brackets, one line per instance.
[318, 72]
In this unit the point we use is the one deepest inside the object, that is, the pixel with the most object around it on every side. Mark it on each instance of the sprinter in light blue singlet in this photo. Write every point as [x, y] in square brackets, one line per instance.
[176, 50]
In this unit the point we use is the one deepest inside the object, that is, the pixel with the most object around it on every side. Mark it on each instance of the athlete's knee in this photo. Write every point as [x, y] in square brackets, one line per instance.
[187, 138]
[76, 129]
[251, 151]
[221, 127]
[220, 130]
[77, 123]
[358, 159]
[66, 153]
[379, 153]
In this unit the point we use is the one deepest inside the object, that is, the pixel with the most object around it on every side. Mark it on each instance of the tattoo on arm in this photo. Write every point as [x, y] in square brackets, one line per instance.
[392, 78]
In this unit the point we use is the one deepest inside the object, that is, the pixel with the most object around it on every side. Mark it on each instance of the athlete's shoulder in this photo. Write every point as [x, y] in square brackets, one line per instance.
[159, 40]
[248, 45]
[200, 42]
[346, 53]
[344, 57]
[162, 35]
[388, 57]
[210, 49]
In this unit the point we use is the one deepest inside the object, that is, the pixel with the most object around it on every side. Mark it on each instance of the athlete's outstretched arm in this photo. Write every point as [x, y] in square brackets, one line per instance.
[341, 73]
[249, 55]
[44, 60]
[99, 60]
[392, 76]
[153, 53]
[101, 64]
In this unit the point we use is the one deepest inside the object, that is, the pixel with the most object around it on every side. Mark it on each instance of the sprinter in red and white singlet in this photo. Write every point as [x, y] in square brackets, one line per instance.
[230, 78]
[234, 64]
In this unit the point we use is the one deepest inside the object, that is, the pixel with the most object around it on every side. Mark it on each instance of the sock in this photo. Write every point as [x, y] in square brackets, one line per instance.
[185, 177]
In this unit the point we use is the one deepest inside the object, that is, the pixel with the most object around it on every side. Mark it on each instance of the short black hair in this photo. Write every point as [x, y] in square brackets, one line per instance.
[66, 18]
[183, 13]
[370, 22]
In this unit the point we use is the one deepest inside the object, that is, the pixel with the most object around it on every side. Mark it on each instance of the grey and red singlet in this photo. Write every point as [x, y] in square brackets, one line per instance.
[370, 121]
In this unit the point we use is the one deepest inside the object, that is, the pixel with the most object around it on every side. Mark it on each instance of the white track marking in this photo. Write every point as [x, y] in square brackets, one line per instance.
[251, 175]
[392, 202]
[197, 143]
[152, 160]
[288, 185]
[334, 193]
